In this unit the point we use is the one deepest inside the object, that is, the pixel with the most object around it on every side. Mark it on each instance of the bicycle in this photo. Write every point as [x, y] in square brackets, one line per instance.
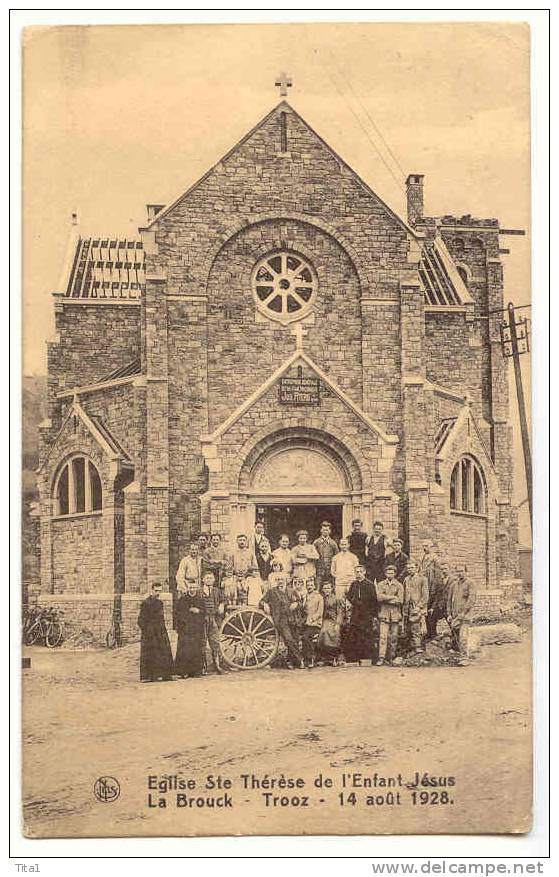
[46, 627]
[113, 638]
[29, 616]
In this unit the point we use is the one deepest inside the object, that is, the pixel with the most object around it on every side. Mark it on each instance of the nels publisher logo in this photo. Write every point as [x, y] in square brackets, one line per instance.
[106, 789]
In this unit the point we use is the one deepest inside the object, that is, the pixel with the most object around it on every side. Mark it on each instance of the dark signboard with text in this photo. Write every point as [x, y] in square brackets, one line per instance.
[299, 391]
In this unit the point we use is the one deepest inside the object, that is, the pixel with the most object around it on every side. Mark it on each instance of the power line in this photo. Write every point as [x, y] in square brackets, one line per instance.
[398, 181]
[369, 117]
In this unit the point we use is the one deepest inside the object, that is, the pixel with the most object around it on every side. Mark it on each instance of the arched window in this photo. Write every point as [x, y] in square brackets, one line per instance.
[467, 487]
[78, 488]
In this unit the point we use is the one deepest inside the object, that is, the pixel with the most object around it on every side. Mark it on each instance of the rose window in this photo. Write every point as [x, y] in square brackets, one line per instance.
[284, 286]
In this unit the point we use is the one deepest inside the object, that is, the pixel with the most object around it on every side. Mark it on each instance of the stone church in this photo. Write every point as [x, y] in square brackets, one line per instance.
[277, 345]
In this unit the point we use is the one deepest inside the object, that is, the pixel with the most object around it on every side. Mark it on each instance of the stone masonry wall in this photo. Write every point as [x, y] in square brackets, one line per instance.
[77, 548]
[91, 615]
[258, 179]
[115, 407]
[188, 420]
[444, 408]
[135, 541]
[447, 348]
[242, 352]
[268, 414]
[463, 539]
[382, 383]
[470, 248]
[81, 552]
[94, 340]
[332, 414]
[351, 444]
[256, 200]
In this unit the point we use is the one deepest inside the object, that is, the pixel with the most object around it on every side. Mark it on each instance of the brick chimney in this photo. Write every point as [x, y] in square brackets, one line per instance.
[414, 190]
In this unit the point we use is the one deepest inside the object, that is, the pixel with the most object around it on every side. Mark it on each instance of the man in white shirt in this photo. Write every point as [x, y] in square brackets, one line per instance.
[242, 560]
[282, 555]
[344, 564]
[189, 568]
[241, 569]
[327, 549]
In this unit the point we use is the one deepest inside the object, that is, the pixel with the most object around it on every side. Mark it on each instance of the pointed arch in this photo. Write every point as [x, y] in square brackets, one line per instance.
[468, 486]
[77, 487]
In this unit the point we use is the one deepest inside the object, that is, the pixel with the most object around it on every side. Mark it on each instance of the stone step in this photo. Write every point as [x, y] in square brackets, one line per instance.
[492, 634]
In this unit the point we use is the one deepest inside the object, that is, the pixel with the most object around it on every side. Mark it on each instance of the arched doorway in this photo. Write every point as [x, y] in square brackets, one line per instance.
[299, 487]
[296, 479]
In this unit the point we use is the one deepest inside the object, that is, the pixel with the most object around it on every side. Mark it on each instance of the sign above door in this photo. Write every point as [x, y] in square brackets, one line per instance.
[299, 391]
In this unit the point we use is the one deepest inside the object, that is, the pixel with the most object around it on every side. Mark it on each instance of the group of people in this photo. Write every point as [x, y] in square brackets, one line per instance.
[363, 599]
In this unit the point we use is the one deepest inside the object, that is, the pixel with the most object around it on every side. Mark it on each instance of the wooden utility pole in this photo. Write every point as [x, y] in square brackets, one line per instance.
[515, 341]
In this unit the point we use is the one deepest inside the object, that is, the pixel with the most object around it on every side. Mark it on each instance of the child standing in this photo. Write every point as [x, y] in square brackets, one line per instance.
[390, 596]
[275, 575]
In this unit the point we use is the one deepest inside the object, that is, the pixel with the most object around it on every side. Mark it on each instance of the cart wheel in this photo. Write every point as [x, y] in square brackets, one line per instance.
[248, 639]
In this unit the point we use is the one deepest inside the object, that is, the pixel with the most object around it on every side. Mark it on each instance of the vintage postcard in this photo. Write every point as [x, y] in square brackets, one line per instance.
[276, 398]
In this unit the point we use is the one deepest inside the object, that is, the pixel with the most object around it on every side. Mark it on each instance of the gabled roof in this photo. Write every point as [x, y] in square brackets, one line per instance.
[299, 357]
[447, 392]
[443, 432]
[124, 374]
[283, 105]
[117, 451]
[98, 430]
[464, 416]
[442, 284]
[124, 371]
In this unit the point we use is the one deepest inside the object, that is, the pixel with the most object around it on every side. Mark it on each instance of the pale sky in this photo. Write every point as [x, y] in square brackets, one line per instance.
[116, 117]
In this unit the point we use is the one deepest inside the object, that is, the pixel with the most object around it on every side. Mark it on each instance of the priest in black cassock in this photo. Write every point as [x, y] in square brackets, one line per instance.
[191, 629]
[359, 644]
[156, 658]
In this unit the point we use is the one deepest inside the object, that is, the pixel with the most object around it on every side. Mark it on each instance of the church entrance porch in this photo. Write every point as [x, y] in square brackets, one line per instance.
[293, 516]
[294, 477]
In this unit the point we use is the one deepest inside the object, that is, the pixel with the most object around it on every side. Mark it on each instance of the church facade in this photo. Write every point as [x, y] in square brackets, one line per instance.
[277, 345]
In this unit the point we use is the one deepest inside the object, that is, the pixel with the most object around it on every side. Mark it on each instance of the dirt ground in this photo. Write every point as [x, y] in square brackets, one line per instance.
[87, 716]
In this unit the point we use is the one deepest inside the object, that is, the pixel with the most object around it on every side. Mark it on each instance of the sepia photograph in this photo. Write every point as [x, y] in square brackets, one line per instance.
[277, 478]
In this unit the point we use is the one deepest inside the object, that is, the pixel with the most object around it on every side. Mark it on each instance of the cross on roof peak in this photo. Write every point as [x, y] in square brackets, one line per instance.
[283, 82]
